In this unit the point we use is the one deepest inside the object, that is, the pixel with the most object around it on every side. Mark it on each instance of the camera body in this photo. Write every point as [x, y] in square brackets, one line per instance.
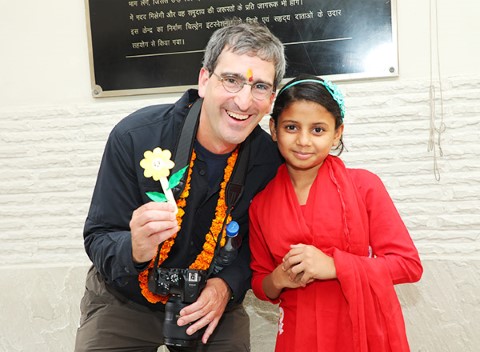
[184, 283]
[184, 286]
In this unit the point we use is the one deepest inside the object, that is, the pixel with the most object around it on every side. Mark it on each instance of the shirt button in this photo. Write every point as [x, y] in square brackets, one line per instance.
[202, 172]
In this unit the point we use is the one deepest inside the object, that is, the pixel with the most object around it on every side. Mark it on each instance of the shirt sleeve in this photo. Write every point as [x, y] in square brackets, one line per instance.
[389, 237]
[107, 237]
[262, 262]
[368, 283]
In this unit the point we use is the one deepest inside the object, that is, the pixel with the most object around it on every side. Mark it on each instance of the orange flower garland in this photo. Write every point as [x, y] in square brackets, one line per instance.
[203, 260]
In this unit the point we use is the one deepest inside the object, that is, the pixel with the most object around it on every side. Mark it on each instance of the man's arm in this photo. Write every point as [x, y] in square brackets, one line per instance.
[120, 230]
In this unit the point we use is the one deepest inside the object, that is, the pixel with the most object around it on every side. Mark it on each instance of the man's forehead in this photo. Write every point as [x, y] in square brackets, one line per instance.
[248, 69]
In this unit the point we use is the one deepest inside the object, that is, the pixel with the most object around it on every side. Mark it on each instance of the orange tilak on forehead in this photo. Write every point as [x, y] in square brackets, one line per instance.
[249, 75]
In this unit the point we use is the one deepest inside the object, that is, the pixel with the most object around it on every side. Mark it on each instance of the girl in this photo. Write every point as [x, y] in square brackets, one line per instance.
[327, 242]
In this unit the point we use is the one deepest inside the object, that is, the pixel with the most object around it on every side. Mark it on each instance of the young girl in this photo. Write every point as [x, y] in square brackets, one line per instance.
[327, 242]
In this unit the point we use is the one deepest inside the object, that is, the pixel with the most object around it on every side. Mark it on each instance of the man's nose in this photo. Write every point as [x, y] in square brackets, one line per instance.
[244, 97]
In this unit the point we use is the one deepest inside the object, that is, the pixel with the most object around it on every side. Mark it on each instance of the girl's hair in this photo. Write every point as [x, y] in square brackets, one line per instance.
[250, 39]
[307, 87]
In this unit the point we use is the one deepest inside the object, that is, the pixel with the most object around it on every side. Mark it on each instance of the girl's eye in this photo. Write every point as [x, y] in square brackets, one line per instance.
[318, 130]
[290, 127]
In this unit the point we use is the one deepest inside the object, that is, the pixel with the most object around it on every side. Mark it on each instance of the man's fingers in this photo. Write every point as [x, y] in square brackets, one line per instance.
[211, 327]
[151, 224]
[206, 321]
[150, 214]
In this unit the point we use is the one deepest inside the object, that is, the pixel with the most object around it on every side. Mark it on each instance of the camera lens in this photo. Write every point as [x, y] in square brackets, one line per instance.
[175, 335]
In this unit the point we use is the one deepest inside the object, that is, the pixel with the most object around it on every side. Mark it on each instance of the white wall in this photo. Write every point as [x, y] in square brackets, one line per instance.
[52, 134]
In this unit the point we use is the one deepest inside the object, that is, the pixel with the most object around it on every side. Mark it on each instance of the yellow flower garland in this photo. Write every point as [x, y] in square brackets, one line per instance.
[203, 260]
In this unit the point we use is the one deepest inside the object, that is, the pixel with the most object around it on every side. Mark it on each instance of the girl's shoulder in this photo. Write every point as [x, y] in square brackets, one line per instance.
[365, 180]
[361, 174]
[271, 189]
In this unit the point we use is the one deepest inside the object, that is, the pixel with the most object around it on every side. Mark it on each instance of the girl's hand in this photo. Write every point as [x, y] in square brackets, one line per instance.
[305, 263]
[277, 280]
[283, 279]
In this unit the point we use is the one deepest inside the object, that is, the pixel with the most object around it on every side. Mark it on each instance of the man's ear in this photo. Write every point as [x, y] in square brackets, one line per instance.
[273, 129]
[203, 77]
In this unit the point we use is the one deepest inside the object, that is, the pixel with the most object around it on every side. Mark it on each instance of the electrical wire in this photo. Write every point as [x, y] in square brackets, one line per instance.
[435, 134]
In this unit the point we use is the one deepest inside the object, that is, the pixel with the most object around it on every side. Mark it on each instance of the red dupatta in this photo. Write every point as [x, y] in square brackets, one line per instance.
[374, 309]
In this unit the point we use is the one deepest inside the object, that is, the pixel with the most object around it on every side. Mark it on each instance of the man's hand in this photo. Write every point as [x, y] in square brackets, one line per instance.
[208, 309]
[151, 224]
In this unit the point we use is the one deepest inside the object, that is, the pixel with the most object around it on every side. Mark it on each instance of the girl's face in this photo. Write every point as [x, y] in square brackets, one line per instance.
[305, 134]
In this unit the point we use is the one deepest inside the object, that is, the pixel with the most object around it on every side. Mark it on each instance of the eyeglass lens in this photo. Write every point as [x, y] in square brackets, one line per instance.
[234, 85]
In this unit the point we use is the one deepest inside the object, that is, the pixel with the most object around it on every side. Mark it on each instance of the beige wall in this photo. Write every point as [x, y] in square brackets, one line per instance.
[52, 134]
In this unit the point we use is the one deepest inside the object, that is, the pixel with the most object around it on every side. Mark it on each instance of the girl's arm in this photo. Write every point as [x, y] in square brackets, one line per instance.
[269, 278]
[389, 238]
[278, 279]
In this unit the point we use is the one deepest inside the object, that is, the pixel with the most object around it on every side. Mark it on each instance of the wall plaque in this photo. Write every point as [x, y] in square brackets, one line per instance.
[152, 46]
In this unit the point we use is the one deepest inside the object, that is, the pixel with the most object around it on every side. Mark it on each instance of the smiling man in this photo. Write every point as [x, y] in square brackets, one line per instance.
[136, 300]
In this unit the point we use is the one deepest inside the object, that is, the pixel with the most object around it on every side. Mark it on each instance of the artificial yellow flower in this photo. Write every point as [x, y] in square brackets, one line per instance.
[157, 163]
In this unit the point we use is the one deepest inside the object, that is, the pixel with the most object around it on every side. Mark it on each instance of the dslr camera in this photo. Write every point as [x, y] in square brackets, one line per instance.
[184, 287]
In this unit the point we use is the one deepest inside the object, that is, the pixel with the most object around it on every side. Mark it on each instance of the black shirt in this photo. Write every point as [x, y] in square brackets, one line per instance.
[121, 188]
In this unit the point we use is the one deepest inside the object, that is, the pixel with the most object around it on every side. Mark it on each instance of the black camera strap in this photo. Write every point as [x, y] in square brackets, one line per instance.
[233, 192]
[184, 147]
[183, 152]
[182, 155]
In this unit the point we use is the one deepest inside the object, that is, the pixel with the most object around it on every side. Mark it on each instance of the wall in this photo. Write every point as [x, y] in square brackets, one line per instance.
[53, 132]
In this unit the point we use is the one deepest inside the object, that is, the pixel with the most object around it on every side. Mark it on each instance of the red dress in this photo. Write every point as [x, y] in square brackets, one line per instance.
[348, 212]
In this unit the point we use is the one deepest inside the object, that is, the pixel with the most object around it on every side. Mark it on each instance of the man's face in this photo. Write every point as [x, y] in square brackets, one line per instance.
[228, 118]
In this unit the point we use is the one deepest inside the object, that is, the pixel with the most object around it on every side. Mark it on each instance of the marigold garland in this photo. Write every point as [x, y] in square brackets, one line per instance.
[203, 260]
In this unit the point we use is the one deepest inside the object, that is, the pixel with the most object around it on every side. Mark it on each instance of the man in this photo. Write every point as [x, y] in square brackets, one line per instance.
[243, 65]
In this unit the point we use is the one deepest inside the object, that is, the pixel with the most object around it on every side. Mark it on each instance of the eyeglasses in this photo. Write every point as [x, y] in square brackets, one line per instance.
[233, 84]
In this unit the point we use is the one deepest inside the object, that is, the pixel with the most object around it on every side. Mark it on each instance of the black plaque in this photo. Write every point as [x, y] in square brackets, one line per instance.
[149, 46]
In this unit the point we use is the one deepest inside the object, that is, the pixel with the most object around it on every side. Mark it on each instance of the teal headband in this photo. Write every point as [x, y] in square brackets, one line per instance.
[331, 87]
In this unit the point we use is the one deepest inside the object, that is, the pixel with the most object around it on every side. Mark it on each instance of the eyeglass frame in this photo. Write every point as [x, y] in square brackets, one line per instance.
[243, 84]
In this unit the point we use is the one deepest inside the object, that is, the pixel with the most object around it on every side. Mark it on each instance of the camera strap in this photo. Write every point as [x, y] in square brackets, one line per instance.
[182, 155]
[233, 192]
[183, 152]
[184, 147]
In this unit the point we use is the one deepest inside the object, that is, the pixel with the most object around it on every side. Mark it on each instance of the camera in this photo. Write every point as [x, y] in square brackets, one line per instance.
[184, 287]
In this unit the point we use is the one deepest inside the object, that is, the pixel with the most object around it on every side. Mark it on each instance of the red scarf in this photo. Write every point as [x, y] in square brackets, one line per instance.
[375, 311]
